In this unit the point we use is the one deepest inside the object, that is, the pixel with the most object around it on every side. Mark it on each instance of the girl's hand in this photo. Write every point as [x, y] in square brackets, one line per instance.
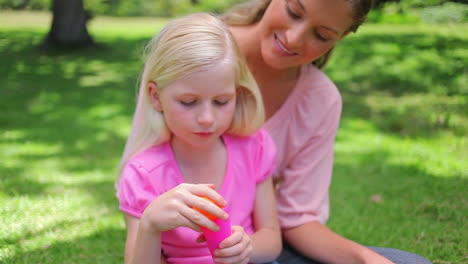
[236, 249]
[174, 208]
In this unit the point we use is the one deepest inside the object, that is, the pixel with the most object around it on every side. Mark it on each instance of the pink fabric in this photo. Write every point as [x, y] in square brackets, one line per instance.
[154, 171]
[304, 130]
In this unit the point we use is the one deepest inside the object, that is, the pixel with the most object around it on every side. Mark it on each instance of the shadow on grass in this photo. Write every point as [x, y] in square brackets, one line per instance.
[104, 246]
[378, 203]
[69, 109]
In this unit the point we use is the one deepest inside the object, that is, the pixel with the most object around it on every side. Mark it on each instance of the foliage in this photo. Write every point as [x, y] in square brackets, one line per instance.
[131, 7]
[392, 15]
[446, 13]
[25, 4]
[400, 172]
[417, 11]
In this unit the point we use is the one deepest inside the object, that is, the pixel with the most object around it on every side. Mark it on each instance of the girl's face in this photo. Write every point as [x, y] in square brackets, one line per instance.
[297, 32]
[198, 108]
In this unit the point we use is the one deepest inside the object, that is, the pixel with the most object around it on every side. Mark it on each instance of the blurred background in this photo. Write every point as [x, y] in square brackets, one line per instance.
[69, 73]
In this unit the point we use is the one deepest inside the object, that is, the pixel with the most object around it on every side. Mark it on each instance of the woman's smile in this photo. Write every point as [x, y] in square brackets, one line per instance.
[281, 48]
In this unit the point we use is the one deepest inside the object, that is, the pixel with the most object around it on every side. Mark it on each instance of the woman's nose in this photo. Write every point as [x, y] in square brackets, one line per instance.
[295, 38]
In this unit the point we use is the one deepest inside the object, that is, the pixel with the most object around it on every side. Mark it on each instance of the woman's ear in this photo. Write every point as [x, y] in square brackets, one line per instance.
[345, 34]
[153, 93]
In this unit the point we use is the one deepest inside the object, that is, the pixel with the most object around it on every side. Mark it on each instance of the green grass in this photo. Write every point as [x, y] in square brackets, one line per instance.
[400, 169]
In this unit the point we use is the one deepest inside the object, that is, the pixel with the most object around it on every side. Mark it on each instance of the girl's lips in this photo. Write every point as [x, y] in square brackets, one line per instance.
[281, 48]
[204, 134]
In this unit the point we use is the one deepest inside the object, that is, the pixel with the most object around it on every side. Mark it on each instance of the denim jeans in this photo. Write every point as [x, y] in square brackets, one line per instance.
[290, 256]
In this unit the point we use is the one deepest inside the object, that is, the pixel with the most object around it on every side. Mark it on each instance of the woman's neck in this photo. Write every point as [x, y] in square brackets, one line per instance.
[275, 84]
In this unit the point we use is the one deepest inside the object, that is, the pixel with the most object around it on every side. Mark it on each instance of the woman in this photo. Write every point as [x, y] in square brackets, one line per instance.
[286, 43]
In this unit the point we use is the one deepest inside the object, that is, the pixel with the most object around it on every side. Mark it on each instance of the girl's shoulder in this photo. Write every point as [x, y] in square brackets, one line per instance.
[255, 138]
[151, 158]
[252, 143]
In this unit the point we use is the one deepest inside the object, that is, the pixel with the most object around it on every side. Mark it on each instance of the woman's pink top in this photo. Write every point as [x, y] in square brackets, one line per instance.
[155, 171]
[304, 130]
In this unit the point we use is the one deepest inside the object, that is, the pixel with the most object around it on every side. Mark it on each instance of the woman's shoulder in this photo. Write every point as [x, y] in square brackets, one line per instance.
[314, 104]
[315, 85]
[314, 94]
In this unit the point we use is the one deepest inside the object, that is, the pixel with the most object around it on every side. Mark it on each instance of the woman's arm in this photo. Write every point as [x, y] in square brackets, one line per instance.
[266, 241]
[318, 242]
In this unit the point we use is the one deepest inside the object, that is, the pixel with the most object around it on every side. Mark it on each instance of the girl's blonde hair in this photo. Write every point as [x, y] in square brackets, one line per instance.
[184, 46]
[252, 11]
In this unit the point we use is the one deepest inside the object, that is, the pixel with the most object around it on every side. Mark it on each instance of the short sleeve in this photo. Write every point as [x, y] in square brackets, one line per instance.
[265, 158]
[134, 192]
[303, 195]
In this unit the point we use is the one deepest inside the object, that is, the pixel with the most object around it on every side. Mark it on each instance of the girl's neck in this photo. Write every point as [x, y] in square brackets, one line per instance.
[194, 154]
[201, 164]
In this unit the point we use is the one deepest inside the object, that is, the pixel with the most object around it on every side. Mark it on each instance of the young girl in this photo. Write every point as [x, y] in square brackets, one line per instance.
[196, 134]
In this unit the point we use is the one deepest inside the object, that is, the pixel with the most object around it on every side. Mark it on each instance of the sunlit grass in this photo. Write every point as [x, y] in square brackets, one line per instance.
[400, 172]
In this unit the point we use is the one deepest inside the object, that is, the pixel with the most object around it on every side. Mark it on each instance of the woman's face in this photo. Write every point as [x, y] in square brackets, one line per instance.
[297, 32]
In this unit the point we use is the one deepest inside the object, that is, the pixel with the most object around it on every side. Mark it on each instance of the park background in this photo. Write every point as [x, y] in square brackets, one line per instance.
[401, 169]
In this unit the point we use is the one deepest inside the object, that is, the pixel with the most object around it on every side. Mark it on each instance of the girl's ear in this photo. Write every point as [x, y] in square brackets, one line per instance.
[154, 96]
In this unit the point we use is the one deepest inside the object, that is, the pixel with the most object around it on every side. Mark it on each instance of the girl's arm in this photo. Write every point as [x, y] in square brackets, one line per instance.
[170, 210]
[262, 246]
[266, 241]
[331, 247]
[142, 245]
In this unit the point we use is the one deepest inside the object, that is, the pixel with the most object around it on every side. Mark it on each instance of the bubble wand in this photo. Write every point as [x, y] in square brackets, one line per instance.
[213, 239]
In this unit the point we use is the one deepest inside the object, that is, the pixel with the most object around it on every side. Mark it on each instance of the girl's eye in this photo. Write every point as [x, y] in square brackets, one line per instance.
[292, 14]
[217, 102]
[188, 103]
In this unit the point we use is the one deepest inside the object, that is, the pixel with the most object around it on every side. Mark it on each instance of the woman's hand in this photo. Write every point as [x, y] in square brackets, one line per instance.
[236, 249]
[174, 208]
[374, 258]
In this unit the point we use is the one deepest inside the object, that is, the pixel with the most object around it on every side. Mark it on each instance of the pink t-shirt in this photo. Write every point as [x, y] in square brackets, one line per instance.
[304, 130]
[155, 171]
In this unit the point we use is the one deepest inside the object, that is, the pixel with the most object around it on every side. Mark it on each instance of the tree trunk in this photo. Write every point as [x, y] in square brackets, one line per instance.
[68, 28]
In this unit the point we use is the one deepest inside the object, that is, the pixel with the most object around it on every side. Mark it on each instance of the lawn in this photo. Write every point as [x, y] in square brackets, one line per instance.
[401, 170]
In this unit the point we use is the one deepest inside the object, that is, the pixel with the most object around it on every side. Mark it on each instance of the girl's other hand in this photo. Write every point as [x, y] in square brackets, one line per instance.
[174, 208]
[236, 249]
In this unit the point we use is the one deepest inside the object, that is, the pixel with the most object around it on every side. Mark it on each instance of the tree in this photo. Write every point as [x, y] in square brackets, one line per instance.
[69, 26]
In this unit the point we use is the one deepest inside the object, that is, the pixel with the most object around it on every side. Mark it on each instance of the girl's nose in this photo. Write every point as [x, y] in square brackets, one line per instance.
[205, 116]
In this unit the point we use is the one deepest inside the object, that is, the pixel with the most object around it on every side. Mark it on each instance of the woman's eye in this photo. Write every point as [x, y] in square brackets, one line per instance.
[188, 103]
[320, 37]
[292, 14]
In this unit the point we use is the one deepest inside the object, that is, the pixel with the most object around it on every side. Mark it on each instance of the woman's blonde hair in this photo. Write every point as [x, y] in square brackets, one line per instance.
[187, 45]
[252, 11]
